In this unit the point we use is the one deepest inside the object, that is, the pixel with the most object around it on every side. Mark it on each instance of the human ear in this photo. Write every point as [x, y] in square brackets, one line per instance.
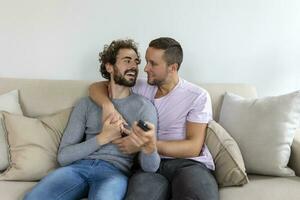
[109, 67]
[173, 67]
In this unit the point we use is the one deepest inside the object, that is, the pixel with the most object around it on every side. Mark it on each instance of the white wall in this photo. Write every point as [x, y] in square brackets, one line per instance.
[234, 41]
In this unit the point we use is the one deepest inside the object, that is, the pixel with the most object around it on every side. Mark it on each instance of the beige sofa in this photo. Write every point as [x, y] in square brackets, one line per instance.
[40, 97]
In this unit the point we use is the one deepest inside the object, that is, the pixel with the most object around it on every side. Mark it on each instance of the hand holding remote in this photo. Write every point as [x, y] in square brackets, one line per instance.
[143, 125]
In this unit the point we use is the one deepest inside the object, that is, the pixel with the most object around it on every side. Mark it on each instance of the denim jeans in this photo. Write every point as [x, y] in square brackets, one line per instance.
[96, 179]
[176, 179]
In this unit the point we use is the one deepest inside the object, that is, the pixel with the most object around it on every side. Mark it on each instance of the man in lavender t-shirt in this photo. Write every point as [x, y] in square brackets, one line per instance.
[184, 110]
[185, 102]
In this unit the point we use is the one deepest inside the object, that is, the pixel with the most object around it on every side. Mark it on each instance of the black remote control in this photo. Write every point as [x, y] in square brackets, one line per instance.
[143, 125]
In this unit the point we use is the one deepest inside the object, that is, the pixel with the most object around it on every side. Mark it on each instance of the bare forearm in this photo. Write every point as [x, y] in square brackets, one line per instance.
[179, 148]
[99, 93]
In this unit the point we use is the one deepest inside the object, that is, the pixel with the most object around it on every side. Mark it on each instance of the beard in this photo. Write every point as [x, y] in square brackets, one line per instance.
[121, 79]
[155, 82]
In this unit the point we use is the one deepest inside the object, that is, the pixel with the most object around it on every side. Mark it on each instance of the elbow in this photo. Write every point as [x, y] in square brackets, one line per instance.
[152, 168]
[195, 154]
[196, 150]
[61, 159]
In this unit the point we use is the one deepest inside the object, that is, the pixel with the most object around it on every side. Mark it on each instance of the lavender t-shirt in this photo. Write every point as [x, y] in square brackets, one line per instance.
[186, 102]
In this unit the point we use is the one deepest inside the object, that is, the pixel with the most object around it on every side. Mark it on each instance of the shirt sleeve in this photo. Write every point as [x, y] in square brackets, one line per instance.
[201, 110]
[149, 162]
[72, 146]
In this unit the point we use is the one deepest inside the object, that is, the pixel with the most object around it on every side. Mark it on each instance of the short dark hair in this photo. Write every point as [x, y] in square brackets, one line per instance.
[173, 51]
[110, 52]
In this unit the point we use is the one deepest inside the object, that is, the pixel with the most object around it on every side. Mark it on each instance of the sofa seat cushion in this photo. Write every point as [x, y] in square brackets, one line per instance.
[264, 188]
[259, 188]
[15, 190]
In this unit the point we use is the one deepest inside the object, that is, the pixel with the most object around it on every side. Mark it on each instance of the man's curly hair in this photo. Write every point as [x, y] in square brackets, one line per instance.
[110, 52]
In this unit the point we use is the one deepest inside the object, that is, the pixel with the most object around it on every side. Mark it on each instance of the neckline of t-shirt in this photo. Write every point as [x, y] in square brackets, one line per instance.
[172, 91]
[123, 99]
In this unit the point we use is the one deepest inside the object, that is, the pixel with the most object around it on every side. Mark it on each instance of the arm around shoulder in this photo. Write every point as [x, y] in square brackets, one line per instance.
[98, 92]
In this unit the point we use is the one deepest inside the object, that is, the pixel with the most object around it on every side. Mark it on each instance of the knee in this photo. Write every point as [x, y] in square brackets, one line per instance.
[113, 188]
[197, 175]
[151, 185]
[194, 183]
[149, 179]
[119, 184]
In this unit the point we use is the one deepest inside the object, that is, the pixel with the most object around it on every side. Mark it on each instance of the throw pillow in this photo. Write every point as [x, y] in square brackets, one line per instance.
[264, 130]
[4, 161]
[33, 145]
[230, 169]
[9, 102]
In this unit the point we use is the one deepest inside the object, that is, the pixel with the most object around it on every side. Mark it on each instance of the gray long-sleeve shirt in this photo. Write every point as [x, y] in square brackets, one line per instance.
[79, 139]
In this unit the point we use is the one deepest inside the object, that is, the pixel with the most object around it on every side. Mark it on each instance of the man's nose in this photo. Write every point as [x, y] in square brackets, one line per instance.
[134, 65]
[146, 68]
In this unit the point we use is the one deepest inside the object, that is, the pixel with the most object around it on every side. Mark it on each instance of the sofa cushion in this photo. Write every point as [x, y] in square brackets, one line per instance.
[230, 168]
[33, 145]
[264, 130]
[264, 188]
[294, 162]
[4, 161]
[15, 190]
[9, 102]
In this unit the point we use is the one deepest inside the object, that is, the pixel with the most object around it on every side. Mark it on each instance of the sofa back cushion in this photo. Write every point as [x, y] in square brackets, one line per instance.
[43, 97]
[217, 91]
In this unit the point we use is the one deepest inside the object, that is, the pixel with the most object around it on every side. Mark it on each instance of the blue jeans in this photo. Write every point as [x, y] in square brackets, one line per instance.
[96, 179]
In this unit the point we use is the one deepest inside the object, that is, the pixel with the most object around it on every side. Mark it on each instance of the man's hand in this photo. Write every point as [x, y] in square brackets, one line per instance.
[137, 140]
[109, 109]
[111, 130]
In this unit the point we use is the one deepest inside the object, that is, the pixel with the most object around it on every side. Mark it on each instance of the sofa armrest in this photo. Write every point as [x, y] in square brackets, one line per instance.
[295, 154]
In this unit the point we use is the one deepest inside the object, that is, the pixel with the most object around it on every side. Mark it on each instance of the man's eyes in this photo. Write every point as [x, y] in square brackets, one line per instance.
[151, 63]
[128, 61]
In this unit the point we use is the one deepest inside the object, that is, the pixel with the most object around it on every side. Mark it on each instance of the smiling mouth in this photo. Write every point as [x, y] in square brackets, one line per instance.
[131, 74]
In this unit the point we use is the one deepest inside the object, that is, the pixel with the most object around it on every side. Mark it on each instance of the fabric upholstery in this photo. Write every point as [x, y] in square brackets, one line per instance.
[294, 162]
[230, 168]
[259, 188]
[43, 97]
[4, 160]
[9, 102]
[264, 188]
[264, 129]
[33, 145]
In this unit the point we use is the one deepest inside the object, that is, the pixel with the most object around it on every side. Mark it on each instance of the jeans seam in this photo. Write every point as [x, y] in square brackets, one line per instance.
[69, 190]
